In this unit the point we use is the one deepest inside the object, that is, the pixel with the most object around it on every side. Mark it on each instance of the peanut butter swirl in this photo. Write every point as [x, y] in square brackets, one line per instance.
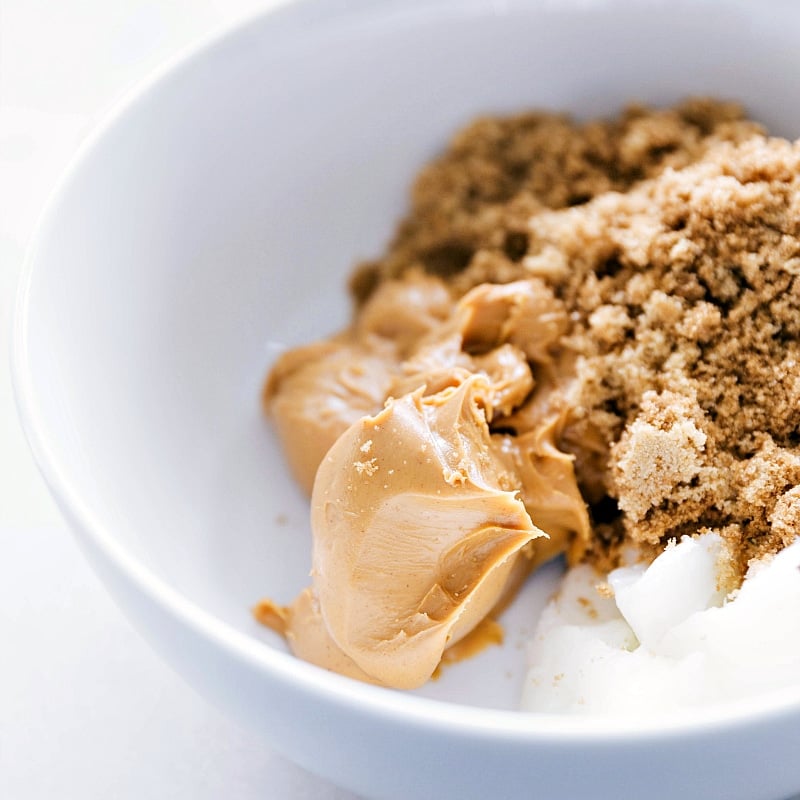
[417, 526]
[421, 510]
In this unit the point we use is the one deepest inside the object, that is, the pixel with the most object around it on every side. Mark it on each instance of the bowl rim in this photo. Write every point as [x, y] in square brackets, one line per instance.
[432, 714]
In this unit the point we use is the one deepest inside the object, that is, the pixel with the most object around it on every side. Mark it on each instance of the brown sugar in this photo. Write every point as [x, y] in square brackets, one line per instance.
[672, 239]
[470, 208]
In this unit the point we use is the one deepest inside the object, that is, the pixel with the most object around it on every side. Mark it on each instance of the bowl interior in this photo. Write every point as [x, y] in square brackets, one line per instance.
[216, 218]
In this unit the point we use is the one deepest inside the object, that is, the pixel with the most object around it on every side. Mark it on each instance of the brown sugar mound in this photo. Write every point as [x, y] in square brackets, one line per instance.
[685, 294]
[470, 207]
[673, 239]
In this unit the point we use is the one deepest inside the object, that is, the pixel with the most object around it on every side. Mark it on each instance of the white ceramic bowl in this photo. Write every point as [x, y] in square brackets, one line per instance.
[214, 218]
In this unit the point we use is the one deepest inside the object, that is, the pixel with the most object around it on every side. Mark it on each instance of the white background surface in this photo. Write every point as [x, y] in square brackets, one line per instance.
[86, 709]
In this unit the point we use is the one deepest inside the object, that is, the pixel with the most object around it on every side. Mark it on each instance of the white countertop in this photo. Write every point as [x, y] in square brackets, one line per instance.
[87, 710]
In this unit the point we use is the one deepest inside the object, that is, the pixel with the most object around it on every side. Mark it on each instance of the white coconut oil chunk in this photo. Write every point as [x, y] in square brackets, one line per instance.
[642, 641]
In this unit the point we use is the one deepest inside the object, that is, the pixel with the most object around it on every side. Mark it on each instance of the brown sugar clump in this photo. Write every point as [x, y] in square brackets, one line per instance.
[662, 448]
[672, 238]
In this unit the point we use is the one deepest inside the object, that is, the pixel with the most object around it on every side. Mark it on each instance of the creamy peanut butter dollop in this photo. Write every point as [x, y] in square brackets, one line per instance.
[422, 499]
[417, 526]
